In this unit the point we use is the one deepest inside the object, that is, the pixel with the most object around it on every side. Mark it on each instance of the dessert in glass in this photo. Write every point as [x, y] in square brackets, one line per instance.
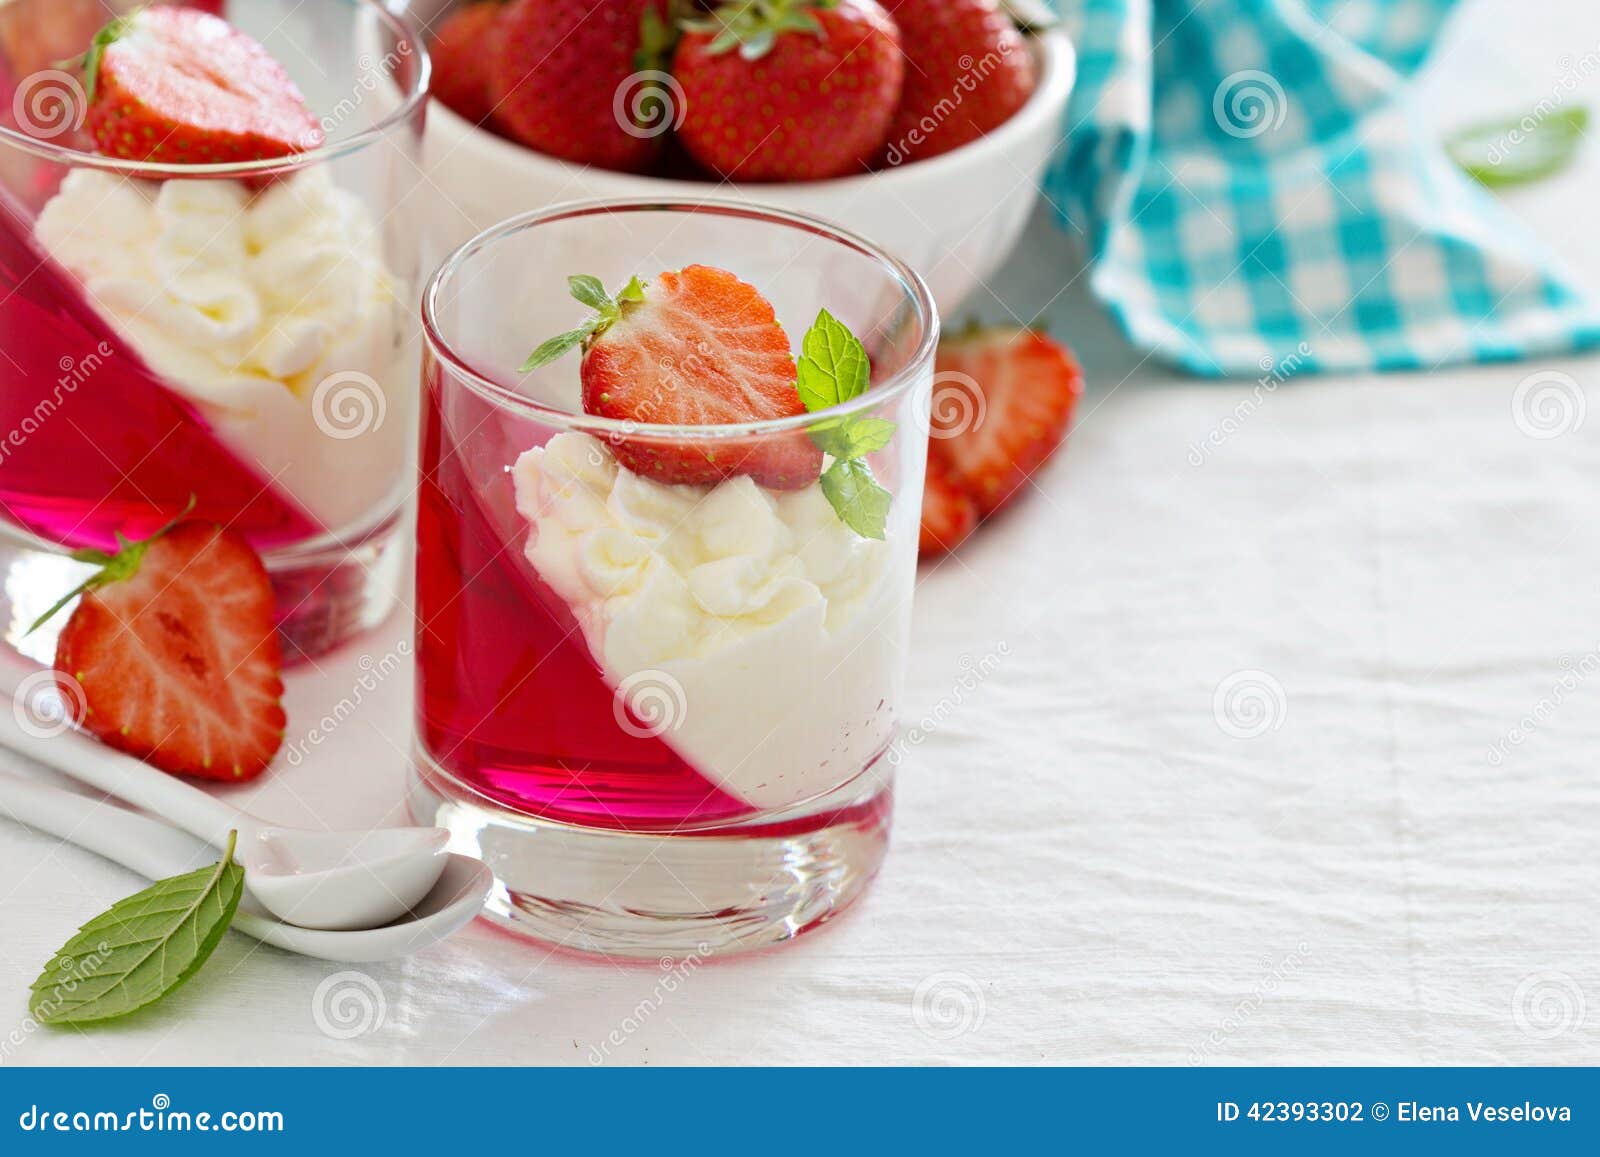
[206, 277]
[665, 567]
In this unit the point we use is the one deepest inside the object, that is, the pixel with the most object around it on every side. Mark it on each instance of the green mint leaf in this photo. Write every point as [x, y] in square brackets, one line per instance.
[558, 346]
[833, 364]
[856, 497]
[588, 290]
[141, 948]
[853, 437]
[1521, 150]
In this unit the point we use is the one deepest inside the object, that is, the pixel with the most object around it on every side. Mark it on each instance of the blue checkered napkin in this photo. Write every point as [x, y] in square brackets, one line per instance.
[1256, 186]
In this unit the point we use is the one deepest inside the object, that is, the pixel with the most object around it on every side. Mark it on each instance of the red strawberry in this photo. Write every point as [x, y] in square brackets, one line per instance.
[789, 90]
[563, 79]
[179, 86]
[696, 348]
[460, 51]
[948, 512]
[1010, 398]
[968, 70]
[171, 654]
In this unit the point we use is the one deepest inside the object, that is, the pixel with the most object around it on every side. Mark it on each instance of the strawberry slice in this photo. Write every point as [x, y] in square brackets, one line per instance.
[697, 347]
[180, 86]
[171, 654]
[948, 512]
[1003, 401]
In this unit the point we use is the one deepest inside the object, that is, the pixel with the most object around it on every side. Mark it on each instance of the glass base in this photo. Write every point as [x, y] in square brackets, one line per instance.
[326, 596]
[717, 890]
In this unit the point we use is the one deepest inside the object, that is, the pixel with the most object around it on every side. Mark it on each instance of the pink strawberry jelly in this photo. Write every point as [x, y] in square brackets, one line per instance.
[509, 700]
[91, 441]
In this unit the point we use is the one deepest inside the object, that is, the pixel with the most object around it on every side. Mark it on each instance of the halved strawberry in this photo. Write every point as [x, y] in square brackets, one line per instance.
[1013, 394]
[180, 86]
[171, 654]
[697, 347]
[460, 51]
[948, 512]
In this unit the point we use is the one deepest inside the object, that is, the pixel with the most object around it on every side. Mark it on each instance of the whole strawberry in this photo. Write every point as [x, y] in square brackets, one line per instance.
[789, 90]
[179, 86]
[968, 70]
[565, 79]
[460, 51]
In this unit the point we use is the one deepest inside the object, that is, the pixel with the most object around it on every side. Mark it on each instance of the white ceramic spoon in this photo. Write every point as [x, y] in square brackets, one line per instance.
[329, 880]
[157, 851]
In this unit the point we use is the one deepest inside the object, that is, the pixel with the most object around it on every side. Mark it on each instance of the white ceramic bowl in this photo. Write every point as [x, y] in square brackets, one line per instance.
[955, 217]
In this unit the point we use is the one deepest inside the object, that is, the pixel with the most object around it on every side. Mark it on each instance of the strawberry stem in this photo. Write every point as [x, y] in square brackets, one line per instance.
[103, 39]
[753, 26]
[122, 563]
[608, 311]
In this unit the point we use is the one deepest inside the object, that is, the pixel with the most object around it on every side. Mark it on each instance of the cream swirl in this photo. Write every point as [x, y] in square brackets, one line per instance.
[769, 612]
[245, 302]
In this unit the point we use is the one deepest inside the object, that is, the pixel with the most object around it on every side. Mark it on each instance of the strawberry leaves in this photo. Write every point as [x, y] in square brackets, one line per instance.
[833, 370]
[608, 310]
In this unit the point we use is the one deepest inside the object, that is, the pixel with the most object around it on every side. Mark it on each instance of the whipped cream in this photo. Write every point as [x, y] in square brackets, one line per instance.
[763, 631]
[245, 304]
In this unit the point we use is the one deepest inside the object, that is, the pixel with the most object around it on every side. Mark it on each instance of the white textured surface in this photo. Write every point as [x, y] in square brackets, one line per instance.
[1082, 853]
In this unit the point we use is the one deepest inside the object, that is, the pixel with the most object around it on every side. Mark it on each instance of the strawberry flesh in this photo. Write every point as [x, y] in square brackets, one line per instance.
[948, 512]
[1012, 393]
[179, 663]
[702, 349]
[180, 86]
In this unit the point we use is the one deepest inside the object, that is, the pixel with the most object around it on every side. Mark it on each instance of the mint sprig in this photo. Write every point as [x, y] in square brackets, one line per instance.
[141, 948]
[834, 369]
[608, 310]
[1521, 150]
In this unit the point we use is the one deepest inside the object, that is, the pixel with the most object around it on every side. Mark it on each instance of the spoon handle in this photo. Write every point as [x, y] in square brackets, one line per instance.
[138, 843]
[85, 759]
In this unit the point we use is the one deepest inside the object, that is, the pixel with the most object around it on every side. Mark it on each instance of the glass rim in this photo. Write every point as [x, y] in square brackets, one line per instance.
[915, 288]
[416, 93]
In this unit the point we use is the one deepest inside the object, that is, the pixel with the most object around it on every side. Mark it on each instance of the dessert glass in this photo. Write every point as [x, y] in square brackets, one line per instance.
[240, 334]
[659, 713]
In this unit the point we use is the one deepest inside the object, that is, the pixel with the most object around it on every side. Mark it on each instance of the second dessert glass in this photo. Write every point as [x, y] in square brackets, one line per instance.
[659, 713]
[242, 334]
